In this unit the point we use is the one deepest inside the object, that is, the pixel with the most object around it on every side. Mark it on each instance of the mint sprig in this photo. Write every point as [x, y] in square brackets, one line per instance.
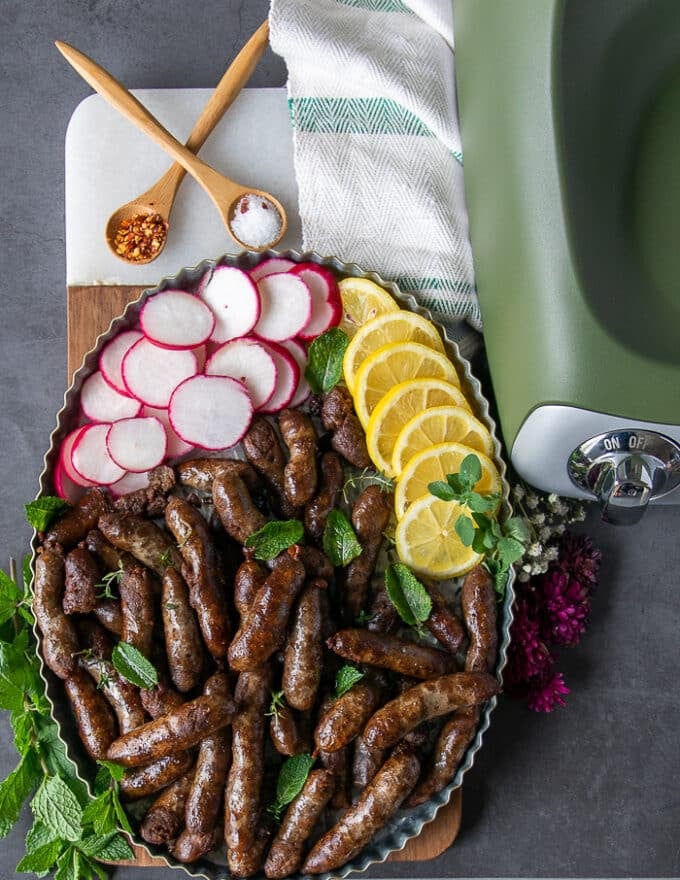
[407, 594]
[292, 777]
[340, 542]
[324, 360]
[347, 676]
[275, 537]
[133, 666]
[41, 512]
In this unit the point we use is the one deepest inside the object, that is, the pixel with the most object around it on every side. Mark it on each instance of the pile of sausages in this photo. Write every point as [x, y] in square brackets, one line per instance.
[226, 633]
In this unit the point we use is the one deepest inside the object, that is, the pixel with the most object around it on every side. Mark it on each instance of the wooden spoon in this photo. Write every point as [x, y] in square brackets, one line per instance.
[224, 192]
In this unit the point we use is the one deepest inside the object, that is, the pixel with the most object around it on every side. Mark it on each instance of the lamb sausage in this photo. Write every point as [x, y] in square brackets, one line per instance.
[183, 644]
[478, 601]
[300, 474]
[59, 636]
[249, 577]
[137, 608]
[81, 576]
[143, 539]
[74, 525]
[263, 451]
[199, 473]
[338, 416]
[345, 718]
[140, 782]
[326, 498]
[443, 623]
[165, 817]
[95, 720]
[370, 514]
[390, 652]
[303, 657]
[235, 507]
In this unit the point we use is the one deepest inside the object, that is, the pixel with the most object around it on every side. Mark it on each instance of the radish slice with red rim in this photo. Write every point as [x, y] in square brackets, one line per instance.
[248, 361]
[101, 402]
[152, 373]
[111, 358]
[90, 456]
[176, 446]
[270, 266]
[65, 453]
[287, 378]
[64, 486]
[213, 412]
[233, 298]
[286, 306]
[131, 482]
[176, 319]
[137, 445]
[297, 350]
[326, 302]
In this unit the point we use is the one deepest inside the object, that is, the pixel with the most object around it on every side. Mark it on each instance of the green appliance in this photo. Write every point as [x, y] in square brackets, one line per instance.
[570, 123]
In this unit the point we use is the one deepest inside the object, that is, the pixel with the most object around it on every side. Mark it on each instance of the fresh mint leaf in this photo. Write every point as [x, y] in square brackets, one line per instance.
[442, 490]
[27, 574]
[340, 542]
[10, 596]
[58, 809]
[470, 471]
[407, 594]
[42, 511]
[275, 537]
[347, 676]
[107, 771]
[53, 753]
[465, 529]
[456, 484]
[517, 527]
[121, 815]
[324, 360]
[24, 730]
[15, 789]
[292, 777]
[133, 666]
[481, 503]
[42, 860]
[509, 551]
[37, 836]
[16, 675]
[111, 847]
[100, 814]
[69, 866]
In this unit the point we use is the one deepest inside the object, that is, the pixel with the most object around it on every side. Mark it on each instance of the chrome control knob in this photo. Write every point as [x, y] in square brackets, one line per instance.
[624, 470]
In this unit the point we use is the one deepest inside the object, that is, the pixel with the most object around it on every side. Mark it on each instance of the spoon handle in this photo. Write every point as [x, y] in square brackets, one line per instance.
[133, 110]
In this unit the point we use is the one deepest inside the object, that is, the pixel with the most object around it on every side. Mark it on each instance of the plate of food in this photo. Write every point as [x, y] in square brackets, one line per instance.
[274, 599]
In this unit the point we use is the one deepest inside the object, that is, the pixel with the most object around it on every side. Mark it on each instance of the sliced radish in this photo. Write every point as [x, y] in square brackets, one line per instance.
[270, 266]
[176, 319]
[137, 445]
[102, 403]
[286, 306]
[65, 453]
[211, 411]
[297, 350]
[91, 459]
[64, 486]
[152, 373]
[248, 361]
[111, 358]
[176, 446]
[232, 296]
[131, 482]
[326, 302]
[287, 378]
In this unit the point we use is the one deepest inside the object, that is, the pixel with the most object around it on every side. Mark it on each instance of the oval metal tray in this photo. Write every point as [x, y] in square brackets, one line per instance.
[407, 823]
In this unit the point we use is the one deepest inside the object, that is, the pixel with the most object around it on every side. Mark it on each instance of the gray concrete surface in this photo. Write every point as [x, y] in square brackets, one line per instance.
[591, 790]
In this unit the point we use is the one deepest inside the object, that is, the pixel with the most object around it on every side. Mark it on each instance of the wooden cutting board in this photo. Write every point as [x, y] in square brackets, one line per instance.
[90, 310]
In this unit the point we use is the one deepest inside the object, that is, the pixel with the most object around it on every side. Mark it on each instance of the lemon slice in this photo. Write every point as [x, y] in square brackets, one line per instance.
[440, 424]
[426, 539]
[388, 366]
[434, 463]
[391, 327]
[362, 300]
[398, 407]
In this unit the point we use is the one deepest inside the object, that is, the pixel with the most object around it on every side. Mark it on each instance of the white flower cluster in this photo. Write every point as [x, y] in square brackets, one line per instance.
[547, 517]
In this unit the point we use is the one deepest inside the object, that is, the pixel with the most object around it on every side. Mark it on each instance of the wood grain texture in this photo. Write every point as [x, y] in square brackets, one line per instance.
[90, 310]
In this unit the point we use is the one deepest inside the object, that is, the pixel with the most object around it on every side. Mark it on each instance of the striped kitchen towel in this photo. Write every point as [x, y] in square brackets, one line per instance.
[371, 90]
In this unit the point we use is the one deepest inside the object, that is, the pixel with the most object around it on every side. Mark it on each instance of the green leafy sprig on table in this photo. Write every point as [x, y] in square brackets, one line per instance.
[275, 537]
[324, 360]
[502, 544]
[71, 830]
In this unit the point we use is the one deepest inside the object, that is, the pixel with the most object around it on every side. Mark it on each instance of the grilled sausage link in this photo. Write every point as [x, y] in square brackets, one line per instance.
[345, 718]
[160, 700]
[205, 796]
[74, 525]
[183, 645]
[81, 576]
[370, 514]
[390, 652]
[300, 474]
[285, 853]
[235, 507]
[478, 601]
[203, 574]
[263, 451]
[95, 720]
[242, 808]
[376, 805]
[143, 539]
[122, 696]
[365, 762]
[285, 733]
[383, 616]
[338, 416]
[426, 700]
[199, 473]
[165, 817]
[326, 498]
[263, 631]
[108, 613]
[443, 623]
[180, 729]
[140, 782]
[137, 608]
[112, 558]
[303, 658]
[249, 577]
[59, 637]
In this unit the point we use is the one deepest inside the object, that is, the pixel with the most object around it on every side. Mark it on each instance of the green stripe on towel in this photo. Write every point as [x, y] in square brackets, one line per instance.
[354, 116]
[378, 5]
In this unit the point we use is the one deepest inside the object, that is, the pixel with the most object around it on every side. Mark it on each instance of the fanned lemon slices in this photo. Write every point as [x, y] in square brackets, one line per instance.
[362, 300]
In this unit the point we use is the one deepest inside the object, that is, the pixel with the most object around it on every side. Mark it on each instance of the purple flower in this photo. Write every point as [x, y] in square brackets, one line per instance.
[580, 558]
[547, 693]
[565, 607]
[528, 655]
